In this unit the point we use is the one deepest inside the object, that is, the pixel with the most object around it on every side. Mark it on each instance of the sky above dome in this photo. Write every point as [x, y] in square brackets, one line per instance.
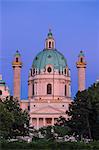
[25, 24]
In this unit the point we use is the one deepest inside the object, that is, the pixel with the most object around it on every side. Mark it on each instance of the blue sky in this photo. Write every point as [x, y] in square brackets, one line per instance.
[24, 26]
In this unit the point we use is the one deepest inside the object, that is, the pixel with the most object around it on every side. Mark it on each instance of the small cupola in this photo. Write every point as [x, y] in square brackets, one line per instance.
[81, 57]
[50, 42]
[17, 59]
[81, 60]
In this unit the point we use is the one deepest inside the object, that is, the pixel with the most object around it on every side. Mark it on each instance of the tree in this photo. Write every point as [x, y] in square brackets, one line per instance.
[14, 122]
[84, 113]
[6, 119]
[61, 121]
[61, 127]
[94, 98]
[47, 132]
[79, 114]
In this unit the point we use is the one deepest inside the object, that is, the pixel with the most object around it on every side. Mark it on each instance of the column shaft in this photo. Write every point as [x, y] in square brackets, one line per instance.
[44, 123]
[52, 121]
[37, 123]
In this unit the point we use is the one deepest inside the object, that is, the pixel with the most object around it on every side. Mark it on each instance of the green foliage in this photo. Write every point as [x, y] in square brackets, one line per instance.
[84, 113]
[61, 127]
[6, 119]
[94, 98]
[61, 131]
[47, 132]
[48, 145]
[13, 121]
[61, 121]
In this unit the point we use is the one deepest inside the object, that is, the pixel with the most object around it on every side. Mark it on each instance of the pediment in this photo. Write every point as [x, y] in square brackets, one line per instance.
[48, 110]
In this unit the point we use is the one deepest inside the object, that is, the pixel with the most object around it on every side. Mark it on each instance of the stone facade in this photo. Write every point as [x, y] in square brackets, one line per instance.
[46, 108]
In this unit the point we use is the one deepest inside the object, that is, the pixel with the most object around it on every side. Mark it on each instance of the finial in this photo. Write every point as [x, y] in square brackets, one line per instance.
[50, 33]
[17, 51]
[81, 51]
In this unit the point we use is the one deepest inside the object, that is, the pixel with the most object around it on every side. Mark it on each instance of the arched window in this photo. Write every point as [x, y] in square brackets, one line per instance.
[49, 44]
[31, 72]
[68, 73]
[34, 71]
[29, 107]
[49, 89]
[17, 59]
[81, 59]
[65, 71]
[69, 90]
[33, 90]
[65, 90]
[0, 92]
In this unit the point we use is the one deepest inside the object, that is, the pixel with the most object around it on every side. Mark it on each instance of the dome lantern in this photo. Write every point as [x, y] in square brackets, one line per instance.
[49, 42]
[81, 59]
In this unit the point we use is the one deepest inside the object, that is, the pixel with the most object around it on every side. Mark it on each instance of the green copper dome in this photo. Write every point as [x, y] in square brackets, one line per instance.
[81, 54]
[52, 57]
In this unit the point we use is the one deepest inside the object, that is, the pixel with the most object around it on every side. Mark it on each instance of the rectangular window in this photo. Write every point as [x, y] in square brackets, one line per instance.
[33, 89]
[65, 90]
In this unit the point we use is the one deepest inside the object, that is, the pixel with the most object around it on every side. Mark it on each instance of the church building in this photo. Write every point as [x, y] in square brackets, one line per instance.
[49, 84]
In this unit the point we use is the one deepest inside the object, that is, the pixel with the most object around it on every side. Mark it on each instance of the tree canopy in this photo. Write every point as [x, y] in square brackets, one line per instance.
[84, 113]
[13, 120]
[83, 121]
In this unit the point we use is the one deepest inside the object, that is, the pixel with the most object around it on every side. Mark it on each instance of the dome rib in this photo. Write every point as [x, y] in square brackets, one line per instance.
[57, 59]
[45, 58]
[41, 60]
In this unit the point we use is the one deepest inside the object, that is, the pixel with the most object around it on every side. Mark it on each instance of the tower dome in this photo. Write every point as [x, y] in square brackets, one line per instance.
[49, 56]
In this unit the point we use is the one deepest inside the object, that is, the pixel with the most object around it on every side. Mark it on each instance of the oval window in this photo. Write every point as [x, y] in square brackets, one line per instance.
[49, 69]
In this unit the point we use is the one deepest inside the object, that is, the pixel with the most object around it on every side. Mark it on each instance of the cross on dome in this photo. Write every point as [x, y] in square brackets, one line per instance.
[50, 33]
[17, 51]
